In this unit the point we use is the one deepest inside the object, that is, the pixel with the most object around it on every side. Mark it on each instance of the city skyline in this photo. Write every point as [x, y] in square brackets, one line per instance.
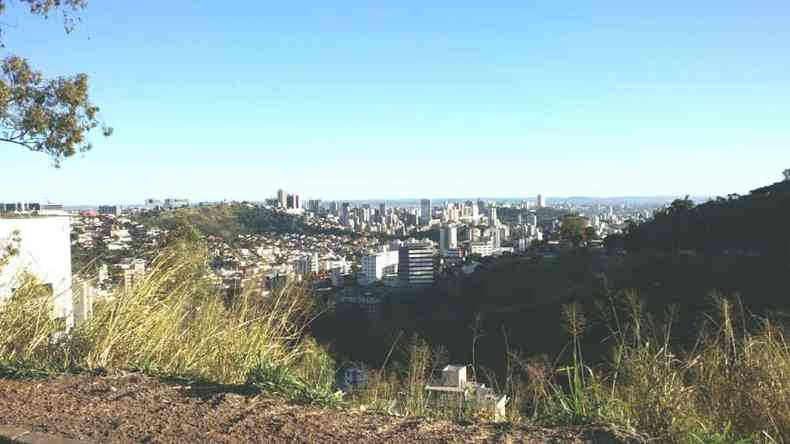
[359, 101]
[403, 202]
[407, 201]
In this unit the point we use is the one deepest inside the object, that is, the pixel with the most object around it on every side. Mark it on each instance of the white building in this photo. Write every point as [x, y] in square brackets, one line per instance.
[448, 238]
[44, 251]
[306, 264]
[492, 219]
[376, 266]
[482, 248]
[496, 238]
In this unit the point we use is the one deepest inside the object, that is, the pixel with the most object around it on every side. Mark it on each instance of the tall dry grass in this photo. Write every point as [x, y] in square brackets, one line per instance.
[399, 388]
[733, 386]
[172, 323]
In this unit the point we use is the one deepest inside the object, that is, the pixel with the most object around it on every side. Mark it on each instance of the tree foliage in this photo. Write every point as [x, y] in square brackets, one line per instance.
[573, 228]
[45, 7]
[755, 224]
[50, 116]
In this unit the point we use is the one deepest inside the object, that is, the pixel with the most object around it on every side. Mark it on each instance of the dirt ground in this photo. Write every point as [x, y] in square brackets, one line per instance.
[133, 408]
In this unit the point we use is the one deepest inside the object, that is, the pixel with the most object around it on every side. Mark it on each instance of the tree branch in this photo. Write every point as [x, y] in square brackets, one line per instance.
[17, 142]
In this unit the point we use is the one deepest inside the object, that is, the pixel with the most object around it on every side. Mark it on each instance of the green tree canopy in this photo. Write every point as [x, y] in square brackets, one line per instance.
[573, 228]
[51, 116]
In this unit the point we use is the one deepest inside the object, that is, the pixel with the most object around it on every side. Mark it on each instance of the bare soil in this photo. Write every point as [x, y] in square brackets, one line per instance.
[134, 408]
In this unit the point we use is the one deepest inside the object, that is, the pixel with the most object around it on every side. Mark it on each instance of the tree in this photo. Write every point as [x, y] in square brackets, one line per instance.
[680, 206]
[786, 174]
[50, 116]
[573, 228]
[44, 7]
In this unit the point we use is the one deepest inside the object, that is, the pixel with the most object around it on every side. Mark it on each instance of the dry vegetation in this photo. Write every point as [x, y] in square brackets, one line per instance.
[172, 324]
[734, 386]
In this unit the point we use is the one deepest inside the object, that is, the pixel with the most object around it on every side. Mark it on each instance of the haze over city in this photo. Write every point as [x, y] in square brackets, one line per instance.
[355, 101]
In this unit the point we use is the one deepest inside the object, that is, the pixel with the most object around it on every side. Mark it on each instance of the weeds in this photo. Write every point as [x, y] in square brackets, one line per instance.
[734, 386]
[170, 324]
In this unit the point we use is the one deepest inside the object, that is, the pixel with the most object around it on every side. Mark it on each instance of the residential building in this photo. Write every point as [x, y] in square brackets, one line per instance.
[132, 272]
[496, 238]
[448, 238]
[481, 248]
[314, 205]
[415, 264]
[292, 202]
[492, 219]
[378, 265]
[282, 198]
[307, 264]
[426, 212]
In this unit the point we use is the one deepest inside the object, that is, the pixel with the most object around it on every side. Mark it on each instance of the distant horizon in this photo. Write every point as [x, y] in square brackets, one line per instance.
[434, 200]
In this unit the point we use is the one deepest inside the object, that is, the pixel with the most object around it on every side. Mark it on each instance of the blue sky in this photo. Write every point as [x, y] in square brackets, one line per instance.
[211, 100]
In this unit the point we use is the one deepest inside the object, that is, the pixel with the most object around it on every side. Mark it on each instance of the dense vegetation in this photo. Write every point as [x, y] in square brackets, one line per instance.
[755, 224]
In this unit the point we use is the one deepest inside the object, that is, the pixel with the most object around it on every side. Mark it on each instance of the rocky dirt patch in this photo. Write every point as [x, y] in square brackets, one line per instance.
[134, 408]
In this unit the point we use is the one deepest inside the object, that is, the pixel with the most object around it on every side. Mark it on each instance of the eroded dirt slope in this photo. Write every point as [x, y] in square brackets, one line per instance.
[139, 409]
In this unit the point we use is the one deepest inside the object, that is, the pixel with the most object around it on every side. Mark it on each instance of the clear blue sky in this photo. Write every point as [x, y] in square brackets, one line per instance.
[214, 100]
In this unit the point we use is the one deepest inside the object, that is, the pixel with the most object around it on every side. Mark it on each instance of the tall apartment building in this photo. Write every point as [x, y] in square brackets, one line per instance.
[426, 212]
[492, 219]
[282, 198]
[541, 201]
[345, 212]
[496, 238]
[378, 265]
[448, 238]
[306, 264]
[415, 264]
[314, 205]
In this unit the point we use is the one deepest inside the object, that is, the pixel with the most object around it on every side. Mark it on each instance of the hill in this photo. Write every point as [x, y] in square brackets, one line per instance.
[754, 225]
